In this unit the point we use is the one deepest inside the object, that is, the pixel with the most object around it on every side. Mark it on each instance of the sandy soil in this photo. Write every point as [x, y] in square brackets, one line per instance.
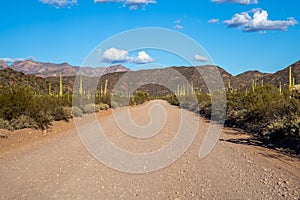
[55, 165]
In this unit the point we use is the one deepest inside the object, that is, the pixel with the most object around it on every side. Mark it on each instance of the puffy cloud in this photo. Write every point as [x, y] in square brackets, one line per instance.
[258, 22]
[103, 1]
[11, 60]
[133, 4]
[178, 21]
[244, 2]
[60, 3]
[142, 58]
[179, 27]
[140, 2]
[114, 55]
[201, 58]
[213, 21]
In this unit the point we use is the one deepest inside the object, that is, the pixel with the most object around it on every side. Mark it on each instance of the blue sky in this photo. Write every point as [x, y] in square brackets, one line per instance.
[238, 35]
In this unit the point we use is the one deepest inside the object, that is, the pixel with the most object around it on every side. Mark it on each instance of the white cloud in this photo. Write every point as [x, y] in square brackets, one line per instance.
[178, 21]
[114, 55]
[133, 4]
[12, 60]
[201, 58]
[140, 2]
[213, 21]
[133, 7]
[244, 2]
[142, 58]
[258, 22]
[60, 3]
[179, 27]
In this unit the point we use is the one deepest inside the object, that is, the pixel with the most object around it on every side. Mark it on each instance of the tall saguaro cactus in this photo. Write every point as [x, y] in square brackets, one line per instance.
[105, 87]
[49, 89]
[253, 85]
[80, 86]
[290, 78]
[60, 85]
[280, 88]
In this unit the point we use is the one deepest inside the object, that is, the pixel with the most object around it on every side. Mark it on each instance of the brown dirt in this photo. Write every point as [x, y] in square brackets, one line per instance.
[57, 166]
[11, 140]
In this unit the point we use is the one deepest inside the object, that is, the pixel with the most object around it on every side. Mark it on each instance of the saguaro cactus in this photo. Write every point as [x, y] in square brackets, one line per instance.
[49, 89]
[60, 85]
[290, 78]
[280, 88]
[101, 90]
[105, 86]
[253, 85]
[80, 86]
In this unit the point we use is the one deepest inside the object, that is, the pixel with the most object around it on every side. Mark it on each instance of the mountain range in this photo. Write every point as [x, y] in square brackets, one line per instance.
[46, 69]
[30, 72]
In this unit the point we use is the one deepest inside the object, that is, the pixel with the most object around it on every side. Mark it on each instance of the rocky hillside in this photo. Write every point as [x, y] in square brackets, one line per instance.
[3, 65]
[46, 69]
[119, 78]
[11, 77]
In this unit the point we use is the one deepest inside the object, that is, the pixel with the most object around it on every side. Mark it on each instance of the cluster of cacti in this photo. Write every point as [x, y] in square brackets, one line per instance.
[185, 90]
[181, 91]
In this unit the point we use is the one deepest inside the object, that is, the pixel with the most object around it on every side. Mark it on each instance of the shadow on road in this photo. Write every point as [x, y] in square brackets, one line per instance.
[260, 143]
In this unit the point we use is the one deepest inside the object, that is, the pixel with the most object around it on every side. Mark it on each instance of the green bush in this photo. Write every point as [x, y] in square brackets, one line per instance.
[23, 121]
[89, 108]
[102, 106]
[4, 124]
[61, 113]
[283, 129]
[76, 112]
[140, 97]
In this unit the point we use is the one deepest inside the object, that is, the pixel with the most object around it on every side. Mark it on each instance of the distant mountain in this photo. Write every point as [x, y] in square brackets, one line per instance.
[283, 75]
[173, 77]
[245, 79]
[46, 69]
[10, 77]
[3, 65]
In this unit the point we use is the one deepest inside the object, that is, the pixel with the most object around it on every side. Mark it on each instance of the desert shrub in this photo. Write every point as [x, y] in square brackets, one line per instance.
[106, 99]
[189, 102]
[68, 112]
[114, 105]
[21, 122]
[140, 97]
[89, 108]
[43, 119]
[4, 124]
[120, 101]
[61, 113]
[76, 112]
[172, 99]
[204, 105]
[102, 106]
[285, 131]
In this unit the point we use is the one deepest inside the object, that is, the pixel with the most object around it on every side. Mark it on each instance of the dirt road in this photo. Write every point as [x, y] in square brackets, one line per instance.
[60, 167]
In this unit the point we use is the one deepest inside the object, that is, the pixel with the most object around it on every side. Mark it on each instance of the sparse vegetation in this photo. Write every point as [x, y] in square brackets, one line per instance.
[271, 112]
